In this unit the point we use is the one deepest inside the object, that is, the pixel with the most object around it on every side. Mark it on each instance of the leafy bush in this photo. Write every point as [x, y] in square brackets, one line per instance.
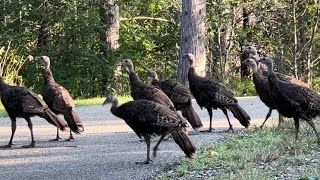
[242, 86]
[10, 64]
[316, 84]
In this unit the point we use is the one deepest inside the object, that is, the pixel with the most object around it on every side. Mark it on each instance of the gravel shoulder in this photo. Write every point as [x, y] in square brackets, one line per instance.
[108, 149]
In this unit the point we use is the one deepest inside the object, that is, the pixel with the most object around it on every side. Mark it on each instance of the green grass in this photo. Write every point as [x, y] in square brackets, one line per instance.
[99, 100]
[241, 154]
[79, 102]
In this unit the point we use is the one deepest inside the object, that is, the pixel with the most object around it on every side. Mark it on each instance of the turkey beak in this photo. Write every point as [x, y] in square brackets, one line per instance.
[105, 102]
[39, 59]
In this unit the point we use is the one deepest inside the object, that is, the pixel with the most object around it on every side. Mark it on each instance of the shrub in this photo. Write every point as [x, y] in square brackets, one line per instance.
[10, 64]
[242, 86]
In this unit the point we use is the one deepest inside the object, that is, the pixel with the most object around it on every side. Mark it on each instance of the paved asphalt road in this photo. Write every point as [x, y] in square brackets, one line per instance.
[107, 149]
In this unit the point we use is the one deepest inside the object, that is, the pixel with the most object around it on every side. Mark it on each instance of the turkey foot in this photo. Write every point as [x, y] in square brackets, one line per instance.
[6, 146]
[56, 139]
[230, 129]
[30, 145]
[209, 130]
[147, 161]
[69, 139]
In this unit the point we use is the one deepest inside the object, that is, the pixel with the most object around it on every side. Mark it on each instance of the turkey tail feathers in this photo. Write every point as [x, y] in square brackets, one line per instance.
[189, 113]
[182, 139]
[239, 113]
[53, 119]
[73, 121]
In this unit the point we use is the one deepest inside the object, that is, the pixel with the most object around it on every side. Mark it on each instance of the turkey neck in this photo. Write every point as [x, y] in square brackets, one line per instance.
[48, 77]
[255, 70]
[192, 73]
[272, 78]
[3, 85]
[114, 107]
[134, 79]
[257, 76]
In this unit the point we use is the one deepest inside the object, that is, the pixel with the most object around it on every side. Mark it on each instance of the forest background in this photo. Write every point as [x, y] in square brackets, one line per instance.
[75, 34]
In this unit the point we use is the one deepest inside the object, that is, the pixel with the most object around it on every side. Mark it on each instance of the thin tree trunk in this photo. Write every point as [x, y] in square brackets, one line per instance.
[192, 38]
[245, 15]
[109, 13]
[44, 34]
[314, 31]
[44, 30]
[245, 69]
[295, 39]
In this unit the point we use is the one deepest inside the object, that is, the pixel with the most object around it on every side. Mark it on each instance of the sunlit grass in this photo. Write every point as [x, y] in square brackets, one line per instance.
[99, 100]
[241, 155]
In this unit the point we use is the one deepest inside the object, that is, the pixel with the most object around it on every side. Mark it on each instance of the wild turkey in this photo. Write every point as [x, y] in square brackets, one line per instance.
[251, 52]
[148, 118]
[262, 89]
[20, 102]
[59, 100]
[212, 95]
[293, 100]
[180, 96]
[141, 90]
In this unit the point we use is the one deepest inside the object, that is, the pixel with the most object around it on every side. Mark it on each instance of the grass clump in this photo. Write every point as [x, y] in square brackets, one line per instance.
[99, 100]
[248, 155]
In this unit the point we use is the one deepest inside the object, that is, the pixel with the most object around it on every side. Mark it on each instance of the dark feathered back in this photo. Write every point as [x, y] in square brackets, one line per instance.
[141, 90]
[150, 118]
[59, 100]
[211, 94]
[21, 102]
[181, 97]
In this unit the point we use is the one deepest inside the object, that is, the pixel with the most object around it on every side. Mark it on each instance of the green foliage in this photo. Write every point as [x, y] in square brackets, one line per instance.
[74, 28]
[74, 42]
[242, 86]
[316, 84]
[100, 100]
[10, 65]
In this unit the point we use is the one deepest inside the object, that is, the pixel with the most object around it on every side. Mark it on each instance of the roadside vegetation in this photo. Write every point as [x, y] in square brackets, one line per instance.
[79, 102]
[267, 153]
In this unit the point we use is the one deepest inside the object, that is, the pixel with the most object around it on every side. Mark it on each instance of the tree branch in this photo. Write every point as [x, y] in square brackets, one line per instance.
[144, 18]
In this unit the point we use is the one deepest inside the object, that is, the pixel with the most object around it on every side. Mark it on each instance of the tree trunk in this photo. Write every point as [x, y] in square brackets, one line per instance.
[245, 15]
[109, 14]
[295, 39]
[245, 69]
[192, 39]
[44, 34]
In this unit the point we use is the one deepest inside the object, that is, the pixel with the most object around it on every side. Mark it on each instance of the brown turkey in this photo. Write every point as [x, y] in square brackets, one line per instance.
[141, 90]
[148, 118]
[180, 96]
[293, 101]
[20, 102]
[251, 52]
[59, 100]
[262, 89]
[212, 95]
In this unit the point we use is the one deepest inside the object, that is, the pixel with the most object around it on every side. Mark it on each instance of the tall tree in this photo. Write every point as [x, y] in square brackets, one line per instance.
[44, 30]
[109, 13]
[192, 39]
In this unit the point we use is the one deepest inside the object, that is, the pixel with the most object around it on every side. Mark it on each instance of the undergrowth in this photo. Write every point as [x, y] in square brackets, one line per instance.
[240, 156]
